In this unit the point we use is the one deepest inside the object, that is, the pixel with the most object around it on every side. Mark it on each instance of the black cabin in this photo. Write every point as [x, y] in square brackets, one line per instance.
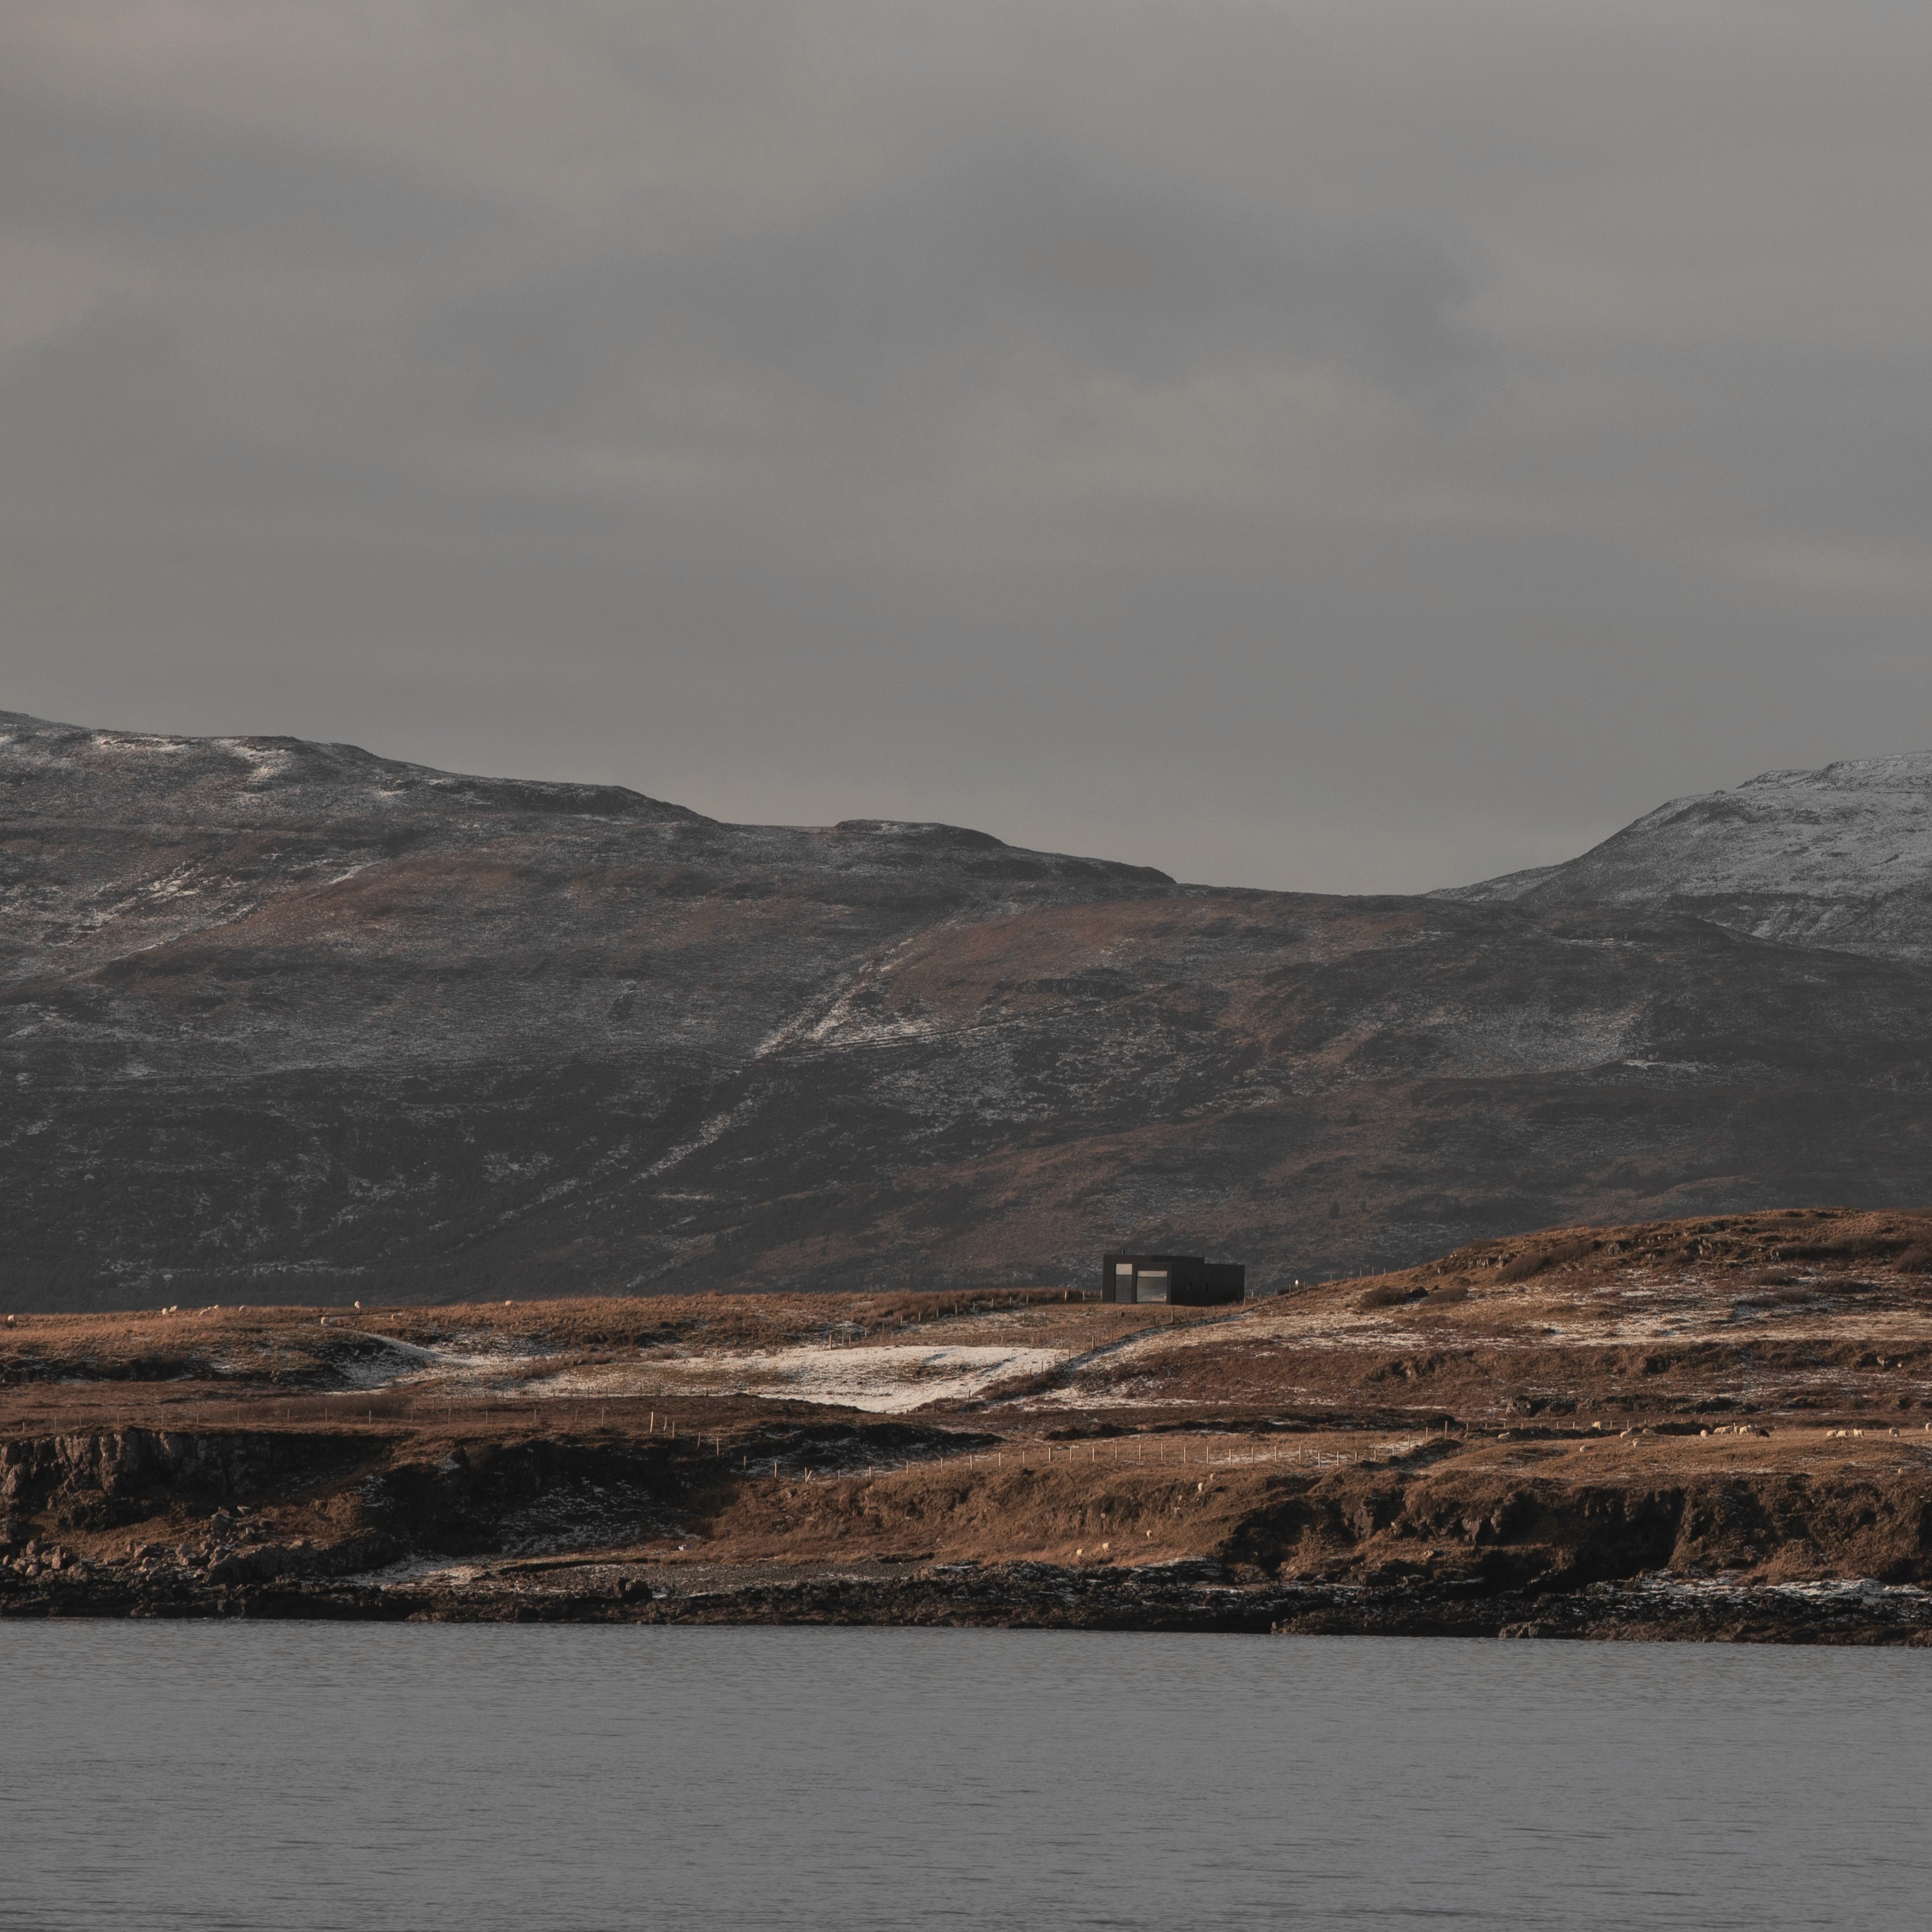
[1184, 1279]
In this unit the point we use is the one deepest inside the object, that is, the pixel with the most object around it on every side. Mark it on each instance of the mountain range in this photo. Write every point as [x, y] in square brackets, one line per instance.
[282, 1021]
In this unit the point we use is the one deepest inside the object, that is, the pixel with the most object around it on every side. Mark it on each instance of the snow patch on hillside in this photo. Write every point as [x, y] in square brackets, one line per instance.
[881, 1380]
[1841, 857]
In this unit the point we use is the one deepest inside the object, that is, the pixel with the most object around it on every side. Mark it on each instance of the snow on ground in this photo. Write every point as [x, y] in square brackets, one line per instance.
[1841, 857]
[882, 1381]
[394, 1364]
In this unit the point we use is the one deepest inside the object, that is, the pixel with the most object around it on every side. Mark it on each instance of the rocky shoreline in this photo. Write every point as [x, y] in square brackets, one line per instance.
[1183, 1597]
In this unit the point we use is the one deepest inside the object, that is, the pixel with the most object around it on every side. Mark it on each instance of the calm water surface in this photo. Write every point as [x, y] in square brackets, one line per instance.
[424, 1778]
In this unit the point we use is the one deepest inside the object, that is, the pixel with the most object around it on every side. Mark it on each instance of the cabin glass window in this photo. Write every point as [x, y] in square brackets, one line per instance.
[1150, 1285]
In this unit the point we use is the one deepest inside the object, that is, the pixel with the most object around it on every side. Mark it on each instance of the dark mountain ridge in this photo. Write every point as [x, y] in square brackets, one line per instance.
[282, 1021]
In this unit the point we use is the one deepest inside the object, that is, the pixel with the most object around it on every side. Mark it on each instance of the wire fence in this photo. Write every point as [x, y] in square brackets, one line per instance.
[748, 1448]
[1165, 1451]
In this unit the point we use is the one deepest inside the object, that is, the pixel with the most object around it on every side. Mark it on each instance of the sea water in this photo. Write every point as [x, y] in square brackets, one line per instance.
[167, 1777]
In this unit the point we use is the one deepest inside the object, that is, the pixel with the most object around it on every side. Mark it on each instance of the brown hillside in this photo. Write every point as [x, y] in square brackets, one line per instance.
[1743, 1402]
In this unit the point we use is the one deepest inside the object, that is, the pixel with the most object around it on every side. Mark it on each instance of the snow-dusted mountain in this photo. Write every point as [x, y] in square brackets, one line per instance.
[287, 1021]
[1840, 858]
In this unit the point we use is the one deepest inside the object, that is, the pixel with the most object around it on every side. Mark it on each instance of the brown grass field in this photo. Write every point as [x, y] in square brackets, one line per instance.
[1746, 1398]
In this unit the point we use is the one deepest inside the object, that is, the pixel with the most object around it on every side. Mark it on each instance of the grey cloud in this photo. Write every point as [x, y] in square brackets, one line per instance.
[1024, 270]
[164, 183]
[1034, 252]
[124, 424]
[113, 415]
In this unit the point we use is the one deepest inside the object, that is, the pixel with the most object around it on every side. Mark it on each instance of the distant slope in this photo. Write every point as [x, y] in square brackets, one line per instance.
[281, 1020]
[1841, 857]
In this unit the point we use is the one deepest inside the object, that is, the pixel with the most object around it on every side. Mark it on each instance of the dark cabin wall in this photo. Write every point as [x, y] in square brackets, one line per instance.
[1192, 1281]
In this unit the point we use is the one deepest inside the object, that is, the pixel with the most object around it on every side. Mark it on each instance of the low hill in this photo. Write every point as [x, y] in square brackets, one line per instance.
[1713, 1427]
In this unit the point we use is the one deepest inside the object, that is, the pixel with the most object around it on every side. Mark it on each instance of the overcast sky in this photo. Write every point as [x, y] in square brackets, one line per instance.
[1337, 445]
